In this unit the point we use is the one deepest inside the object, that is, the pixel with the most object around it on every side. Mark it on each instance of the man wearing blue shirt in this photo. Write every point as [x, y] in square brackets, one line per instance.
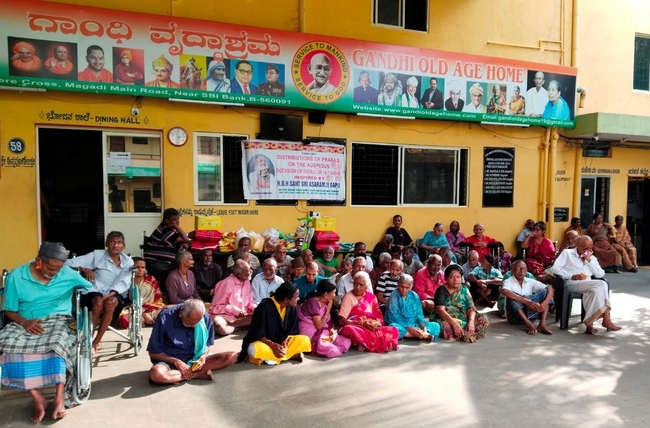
[179, 347]
[308, 281]
[37, 347]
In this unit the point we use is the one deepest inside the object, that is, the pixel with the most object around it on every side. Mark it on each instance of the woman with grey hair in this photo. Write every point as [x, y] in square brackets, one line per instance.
[410, 98]
[404, 312]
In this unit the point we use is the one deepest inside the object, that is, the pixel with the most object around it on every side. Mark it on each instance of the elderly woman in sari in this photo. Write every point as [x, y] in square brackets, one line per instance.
[540, 250]
[152, 298]
[517, 104]
[272, 336]
[434, 239]
[361, 320]
[497, 102]
[314, 321]
[455, 310]
[404, 312]
[600, 233]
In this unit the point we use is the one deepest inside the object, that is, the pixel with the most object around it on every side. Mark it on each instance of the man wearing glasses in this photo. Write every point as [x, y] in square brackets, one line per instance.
[454, 103]
[243, 75]
[320, 67]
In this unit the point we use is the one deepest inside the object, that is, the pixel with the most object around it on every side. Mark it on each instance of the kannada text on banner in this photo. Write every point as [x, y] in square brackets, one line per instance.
[292, 170]
[62, 47]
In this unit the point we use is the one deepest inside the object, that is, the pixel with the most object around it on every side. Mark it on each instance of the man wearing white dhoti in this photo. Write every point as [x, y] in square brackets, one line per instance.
[581, 272]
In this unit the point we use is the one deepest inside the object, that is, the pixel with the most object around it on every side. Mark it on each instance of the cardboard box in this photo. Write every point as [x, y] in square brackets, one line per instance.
[324, 224]
[207, 223]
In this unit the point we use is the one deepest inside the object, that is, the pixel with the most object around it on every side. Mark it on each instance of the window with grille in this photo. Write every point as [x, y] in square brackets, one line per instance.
[406, 14]
[641, 79]
[218, 177]
[408, 175]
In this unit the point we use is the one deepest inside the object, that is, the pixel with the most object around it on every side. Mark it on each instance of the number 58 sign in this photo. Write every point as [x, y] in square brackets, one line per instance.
[16, 146]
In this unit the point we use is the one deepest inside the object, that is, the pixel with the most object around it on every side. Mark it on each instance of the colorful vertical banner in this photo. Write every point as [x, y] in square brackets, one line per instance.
[293, 170]
[53, 46]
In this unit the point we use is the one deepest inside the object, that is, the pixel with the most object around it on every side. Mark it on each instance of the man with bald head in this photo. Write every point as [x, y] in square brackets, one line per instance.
[320, 67]
[233, 305]
[267, 282]
[308, 282]
[536, 97]
[582, 274]
[388, 282]
[177, 352]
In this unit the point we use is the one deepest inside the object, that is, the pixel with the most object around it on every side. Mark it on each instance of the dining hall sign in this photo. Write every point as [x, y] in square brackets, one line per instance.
[51, 46]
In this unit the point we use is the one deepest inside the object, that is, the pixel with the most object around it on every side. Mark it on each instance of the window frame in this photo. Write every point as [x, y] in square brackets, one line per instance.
[399, 196]
[402, 17]
[195, 176]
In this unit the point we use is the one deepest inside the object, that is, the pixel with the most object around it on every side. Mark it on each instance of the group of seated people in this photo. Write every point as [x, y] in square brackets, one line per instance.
[323, 311]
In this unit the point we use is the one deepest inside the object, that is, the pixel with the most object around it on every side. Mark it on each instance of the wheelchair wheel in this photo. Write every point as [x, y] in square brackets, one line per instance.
[81, 388]
[135, 323]
[137, 346]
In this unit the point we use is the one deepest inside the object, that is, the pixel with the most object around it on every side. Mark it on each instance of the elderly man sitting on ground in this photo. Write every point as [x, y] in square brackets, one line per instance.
[582, 274]
[37, 346]
[526, 299]
[179, 347]
[233, 305]
[267, 282]
[245, 243]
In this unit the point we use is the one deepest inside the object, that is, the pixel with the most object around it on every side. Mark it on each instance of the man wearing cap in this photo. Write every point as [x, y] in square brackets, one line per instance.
[216, 81]
[24, 58]
[272, 87]
[109, 272]
[37, 347]
[162, 69]
[476, 96]
[95, 72]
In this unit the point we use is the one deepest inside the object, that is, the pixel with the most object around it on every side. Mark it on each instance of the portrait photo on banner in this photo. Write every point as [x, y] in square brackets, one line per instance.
[129, 66]
[192, 71]
[561, 92]
[26, 57]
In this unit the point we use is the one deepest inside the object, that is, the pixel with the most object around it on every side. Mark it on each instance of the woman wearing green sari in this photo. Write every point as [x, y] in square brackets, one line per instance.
[455, 311]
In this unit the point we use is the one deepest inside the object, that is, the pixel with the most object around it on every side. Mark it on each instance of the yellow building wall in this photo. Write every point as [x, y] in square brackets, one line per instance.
[354, 223]
[526, 30]
[606, 57]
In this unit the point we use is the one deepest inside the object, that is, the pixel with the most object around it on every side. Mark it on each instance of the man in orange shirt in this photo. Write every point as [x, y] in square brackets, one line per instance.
[95, 72]
[24, 58]
[59, 63]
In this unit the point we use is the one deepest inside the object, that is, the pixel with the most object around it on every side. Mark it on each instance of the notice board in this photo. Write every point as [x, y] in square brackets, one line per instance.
[498, 176]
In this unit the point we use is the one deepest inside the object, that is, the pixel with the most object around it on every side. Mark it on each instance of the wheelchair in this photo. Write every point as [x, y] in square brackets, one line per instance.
[81, 387]
[134, 333]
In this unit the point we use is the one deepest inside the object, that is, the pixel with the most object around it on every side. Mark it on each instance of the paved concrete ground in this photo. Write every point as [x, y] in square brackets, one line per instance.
[568, 379]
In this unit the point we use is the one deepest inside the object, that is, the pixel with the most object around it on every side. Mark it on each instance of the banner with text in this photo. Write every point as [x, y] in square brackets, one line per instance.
[53, 46]
[292, 170]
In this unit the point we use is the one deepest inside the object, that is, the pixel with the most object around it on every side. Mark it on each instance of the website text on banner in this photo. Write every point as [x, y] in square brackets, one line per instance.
[52, 46]
[292, 170]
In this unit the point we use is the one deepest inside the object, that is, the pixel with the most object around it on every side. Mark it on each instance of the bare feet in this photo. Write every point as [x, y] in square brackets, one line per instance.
[591, 330]
[203, 374]
[59, 411]
[531, 329]
[298, 357]
[361, 348]
[40, 404]
[610, 326]
[428, 338]
[96, 348]
[543, 329]
[148, 319]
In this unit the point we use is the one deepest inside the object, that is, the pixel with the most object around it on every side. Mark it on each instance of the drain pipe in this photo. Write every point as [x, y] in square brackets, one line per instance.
[551, 185]
[543, 183]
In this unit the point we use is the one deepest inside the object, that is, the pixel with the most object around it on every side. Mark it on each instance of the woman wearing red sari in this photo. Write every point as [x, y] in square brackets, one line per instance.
[361, 320]
[540, 250]
[152, 299]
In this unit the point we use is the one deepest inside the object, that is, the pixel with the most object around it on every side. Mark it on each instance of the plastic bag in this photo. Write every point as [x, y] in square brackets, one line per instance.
[257, 242]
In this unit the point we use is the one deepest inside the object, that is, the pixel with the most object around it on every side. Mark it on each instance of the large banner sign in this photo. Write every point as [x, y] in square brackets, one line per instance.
[53, 46]
[292, 170]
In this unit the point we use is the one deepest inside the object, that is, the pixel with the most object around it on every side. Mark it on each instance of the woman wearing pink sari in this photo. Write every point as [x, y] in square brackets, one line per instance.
[361, 320]
[314, 321]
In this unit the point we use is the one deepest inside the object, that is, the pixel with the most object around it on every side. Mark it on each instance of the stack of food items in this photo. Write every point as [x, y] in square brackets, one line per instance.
[325, 234]
[207, 234]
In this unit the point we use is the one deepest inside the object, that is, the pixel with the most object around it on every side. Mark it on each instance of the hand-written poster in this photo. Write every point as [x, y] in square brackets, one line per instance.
[498, 177]
[54, 46]
[293, 170]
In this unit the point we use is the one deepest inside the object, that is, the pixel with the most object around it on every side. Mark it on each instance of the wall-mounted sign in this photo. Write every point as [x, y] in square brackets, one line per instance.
[292, 170]
[498, 176]
[16, 146]
[53, 46]
[560, 214]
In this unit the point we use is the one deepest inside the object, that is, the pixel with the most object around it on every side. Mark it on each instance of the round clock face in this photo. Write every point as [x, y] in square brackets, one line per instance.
[177, 136]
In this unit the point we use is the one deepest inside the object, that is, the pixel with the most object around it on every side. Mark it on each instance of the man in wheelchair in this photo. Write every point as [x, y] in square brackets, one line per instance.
[109, 272]
[38, 345]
